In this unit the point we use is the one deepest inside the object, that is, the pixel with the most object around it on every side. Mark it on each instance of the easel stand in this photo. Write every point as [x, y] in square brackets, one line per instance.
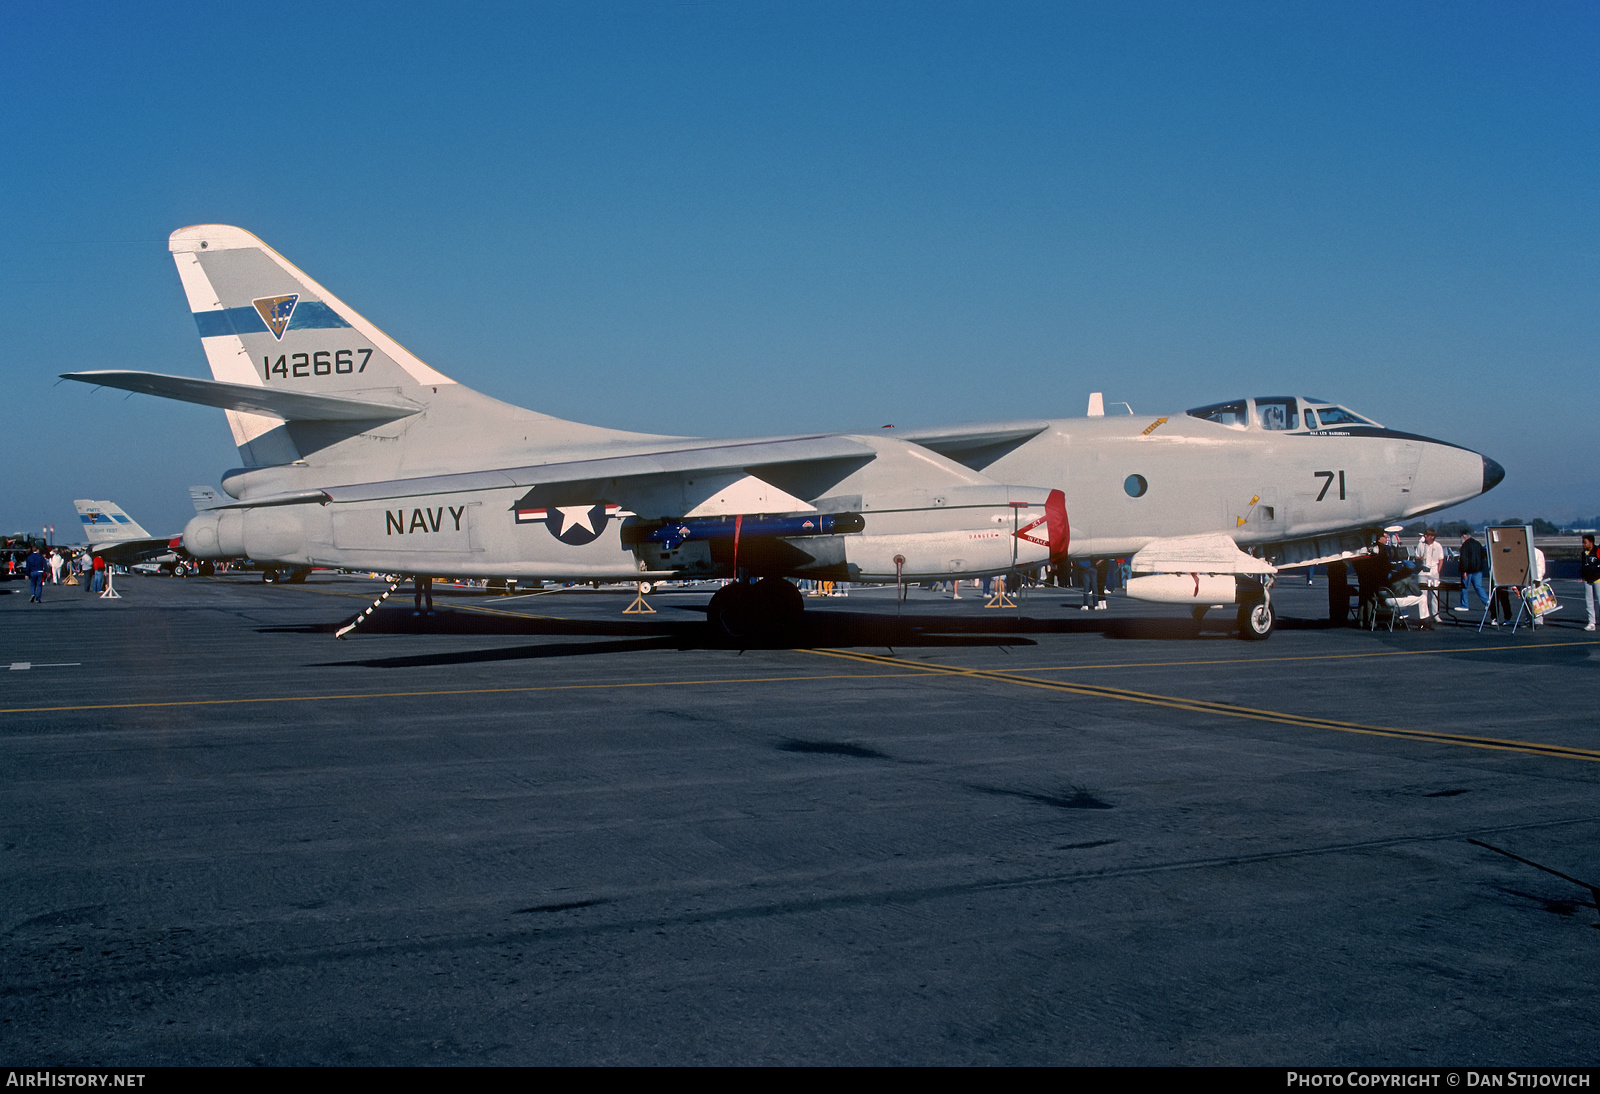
[111, 588]
[639, 605]
[1000, 599]
[1513, 594]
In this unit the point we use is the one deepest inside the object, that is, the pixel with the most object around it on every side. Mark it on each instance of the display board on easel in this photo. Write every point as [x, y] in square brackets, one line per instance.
[1511, 554]
[1511, 568]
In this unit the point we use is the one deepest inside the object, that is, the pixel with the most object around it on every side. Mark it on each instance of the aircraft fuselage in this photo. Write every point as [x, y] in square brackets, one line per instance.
[1126, 480]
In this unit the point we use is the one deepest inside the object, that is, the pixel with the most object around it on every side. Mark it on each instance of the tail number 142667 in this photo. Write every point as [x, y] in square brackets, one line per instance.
[324, 362]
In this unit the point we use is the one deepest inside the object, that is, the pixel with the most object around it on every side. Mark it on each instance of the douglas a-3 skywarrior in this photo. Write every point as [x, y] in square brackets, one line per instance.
[356, 454]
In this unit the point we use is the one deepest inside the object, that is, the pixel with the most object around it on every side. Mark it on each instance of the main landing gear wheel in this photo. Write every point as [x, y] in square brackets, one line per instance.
[769, 610]
[1256, 620]
[269, 576]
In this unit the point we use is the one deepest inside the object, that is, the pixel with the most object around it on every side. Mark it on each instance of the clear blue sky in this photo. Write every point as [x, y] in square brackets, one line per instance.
[742, 218]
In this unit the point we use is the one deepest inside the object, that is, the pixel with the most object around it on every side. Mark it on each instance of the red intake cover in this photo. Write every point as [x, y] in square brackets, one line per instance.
[1055, 516]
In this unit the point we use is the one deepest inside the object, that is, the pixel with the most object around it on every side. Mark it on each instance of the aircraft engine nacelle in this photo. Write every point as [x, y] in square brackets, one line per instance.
[1211, 590]
[1019, 528]
[935, 555]
[216, 535]
[269, 534]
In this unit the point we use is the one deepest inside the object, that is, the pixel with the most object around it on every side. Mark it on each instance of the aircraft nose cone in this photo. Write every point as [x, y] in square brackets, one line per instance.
[1492, 474]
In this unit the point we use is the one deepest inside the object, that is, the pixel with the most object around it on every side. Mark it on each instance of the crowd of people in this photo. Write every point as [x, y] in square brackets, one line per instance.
[57, 566]
[1391, 578]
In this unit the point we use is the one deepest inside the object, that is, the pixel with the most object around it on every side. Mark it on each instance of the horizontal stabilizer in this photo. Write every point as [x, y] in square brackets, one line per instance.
[1214, 554]
[292, 406]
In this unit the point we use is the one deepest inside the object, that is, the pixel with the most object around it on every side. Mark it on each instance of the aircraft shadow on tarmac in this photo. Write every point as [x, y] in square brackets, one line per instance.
[684, 630]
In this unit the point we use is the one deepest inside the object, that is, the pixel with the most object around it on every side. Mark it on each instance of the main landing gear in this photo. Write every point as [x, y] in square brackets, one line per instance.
[767, 611]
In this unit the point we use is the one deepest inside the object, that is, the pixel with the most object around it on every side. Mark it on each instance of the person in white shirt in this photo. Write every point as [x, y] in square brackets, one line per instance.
[1431, 555]
[1538, 576]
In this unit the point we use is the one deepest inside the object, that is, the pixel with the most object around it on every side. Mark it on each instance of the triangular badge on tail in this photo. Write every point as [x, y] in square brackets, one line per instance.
[275, 312]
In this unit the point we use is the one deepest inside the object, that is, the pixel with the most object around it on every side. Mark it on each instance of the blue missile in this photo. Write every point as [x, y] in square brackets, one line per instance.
[707, 528]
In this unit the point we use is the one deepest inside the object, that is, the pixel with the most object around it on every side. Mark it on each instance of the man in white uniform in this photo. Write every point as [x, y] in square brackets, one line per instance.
[1431, 555]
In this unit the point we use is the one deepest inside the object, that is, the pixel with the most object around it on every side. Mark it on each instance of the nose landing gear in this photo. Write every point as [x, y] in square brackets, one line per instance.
[1256, 617]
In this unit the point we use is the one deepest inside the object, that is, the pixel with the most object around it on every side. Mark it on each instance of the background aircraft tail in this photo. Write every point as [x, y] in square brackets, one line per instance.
[105, 522]
[206, 497]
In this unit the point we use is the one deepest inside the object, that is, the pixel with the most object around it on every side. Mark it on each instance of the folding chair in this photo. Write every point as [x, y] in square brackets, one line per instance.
[1387, 604]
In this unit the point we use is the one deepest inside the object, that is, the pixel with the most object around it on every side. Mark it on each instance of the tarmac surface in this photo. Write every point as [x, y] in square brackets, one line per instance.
[538, 830]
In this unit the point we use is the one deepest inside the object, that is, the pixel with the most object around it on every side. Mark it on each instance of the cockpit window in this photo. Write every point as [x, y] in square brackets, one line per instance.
[1277, 414]
[1311, 418]
[1337, 415]
[1235, 414]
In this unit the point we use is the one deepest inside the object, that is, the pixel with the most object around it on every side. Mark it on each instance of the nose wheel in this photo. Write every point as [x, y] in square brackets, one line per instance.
[1256, 617]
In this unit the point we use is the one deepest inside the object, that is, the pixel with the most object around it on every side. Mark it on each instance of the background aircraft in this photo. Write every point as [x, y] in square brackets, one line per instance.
[122, 541]
[357, 454]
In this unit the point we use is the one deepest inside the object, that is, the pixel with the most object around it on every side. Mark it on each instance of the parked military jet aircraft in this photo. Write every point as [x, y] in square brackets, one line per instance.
[357, 454]
[122, 541]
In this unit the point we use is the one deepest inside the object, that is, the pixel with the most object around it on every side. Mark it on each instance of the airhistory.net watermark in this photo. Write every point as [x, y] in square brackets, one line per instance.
[48, 1077]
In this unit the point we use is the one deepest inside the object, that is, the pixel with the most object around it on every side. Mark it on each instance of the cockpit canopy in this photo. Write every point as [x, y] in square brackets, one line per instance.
[1285, 413]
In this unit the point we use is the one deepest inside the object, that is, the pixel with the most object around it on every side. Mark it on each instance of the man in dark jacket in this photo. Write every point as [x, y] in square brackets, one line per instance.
[1473, 560]
[36, 568]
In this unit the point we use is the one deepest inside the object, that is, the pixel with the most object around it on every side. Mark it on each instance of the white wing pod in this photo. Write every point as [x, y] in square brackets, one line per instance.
[1212, 590]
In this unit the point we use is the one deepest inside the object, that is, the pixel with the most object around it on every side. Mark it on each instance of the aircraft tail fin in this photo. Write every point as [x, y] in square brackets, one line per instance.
[265, 322]
[206, 497]
[105, 522]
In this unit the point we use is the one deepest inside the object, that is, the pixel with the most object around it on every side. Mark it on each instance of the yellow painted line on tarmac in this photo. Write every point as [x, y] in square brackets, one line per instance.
[1231, 710]
[1315, 657]
[918, 671]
